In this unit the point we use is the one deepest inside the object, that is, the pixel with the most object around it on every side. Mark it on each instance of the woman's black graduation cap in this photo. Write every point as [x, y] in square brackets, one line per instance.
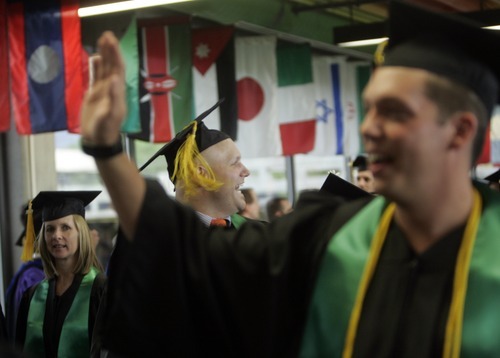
[54, 205]
[447, 45]
[204, 138]
[57, 204]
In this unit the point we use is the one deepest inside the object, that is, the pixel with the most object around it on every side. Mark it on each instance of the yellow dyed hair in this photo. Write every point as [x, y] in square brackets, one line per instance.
[186, 167]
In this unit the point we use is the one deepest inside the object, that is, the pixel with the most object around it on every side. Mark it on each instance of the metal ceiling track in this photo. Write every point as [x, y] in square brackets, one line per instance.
[332, 5]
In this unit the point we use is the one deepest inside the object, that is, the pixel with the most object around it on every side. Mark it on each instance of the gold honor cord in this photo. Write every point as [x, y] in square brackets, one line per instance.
[453, 335]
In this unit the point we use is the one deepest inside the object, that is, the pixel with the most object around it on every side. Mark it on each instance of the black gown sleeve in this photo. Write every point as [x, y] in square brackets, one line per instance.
[96, 314]
[22, 316]
[185, 290]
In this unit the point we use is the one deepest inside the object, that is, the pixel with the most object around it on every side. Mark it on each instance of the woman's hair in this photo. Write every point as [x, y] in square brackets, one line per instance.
[452, 98]
[86, 257]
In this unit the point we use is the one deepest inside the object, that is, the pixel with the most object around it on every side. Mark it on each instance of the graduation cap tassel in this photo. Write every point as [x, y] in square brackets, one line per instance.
[29, 240]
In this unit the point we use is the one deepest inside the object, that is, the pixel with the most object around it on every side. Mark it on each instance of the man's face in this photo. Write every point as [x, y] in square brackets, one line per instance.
[365, 180]
[405, 142]
[225, 160]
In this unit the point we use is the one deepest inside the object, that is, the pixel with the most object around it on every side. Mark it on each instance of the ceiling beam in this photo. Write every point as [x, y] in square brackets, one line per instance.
[332, 5]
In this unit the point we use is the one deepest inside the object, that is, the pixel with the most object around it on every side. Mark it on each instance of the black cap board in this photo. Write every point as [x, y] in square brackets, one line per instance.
[494, 177]
[446, 45]
[204, 137]
[57, 204]
[340, 187]
[361, 162]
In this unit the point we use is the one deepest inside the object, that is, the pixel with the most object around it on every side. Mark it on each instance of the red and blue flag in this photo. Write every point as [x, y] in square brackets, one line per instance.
[46, 65]
[4, 71]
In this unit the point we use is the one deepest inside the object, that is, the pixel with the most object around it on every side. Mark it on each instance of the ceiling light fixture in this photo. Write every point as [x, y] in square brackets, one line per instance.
[360, 35]
[122, 6]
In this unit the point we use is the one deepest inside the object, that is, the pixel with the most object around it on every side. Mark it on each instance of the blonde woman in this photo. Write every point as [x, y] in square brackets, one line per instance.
[58, 317]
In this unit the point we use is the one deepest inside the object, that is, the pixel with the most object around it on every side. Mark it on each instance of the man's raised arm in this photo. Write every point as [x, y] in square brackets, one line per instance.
[104, 108]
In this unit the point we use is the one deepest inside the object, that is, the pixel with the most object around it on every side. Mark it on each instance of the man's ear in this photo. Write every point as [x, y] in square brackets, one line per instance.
[202, 171]
[465, 128]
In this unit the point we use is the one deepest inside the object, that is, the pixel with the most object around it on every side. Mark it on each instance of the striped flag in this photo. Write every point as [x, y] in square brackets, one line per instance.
[363, 73]
[214, 76]
[494, 136]
[124, 26]
[329, 104]
[352, 89]
[45, 65]
[338, 88]
[295, 98]
[258, 127]
[128, 45]
[166, 104]
[4, 71]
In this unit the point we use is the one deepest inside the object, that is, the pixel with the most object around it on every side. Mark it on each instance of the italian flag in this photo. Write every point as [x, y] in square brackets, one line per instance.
[295, 98]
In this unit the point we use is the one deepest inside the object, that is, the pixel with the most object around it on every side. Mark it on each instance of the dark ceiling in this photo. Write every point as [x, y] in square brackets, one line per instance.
[368, 11]
[312, 20]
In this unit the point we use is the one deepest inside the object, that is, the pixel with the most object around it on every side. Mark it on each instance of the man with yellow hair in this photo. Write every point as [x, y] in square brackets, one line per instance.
[205, 167]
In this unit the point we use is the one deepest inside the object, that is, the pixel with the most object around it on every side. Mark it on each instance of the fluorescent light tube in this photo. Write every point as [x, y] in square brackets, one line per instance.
[122, 6]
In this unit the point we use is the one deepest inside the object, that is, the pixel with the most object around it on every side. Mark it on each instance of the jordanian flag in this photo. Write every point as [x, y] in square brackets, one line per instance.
[45, 65]
[165, 91]
[295, 98]
[214, 76]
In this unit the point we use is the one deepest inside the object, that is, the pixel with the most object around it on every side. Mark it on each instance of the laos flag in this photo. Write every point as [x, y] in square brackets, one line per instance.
[45, 54]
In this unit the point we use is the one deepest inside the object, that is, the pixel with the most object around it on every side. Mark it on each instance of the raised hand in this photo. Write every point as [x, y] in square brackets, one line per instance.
[104, 106]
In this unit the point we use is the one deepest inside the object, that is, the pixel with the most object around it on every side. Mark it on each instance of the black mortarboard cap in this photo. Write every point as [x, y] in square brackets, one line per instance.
[494, 177]
[447, 45]
[204, 138]
[361, 162]
[340, 187]
[57, 204]
[53, 205]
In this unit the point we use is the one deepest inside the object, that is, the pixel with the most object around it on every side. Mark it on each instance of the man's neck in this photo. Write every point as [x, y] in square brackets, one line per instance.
[427, 221]
[203, 206]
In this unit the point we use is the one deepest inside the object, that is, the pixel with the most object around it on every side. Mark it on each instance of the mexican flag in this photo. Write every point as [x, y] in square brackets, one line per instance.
[295, 98]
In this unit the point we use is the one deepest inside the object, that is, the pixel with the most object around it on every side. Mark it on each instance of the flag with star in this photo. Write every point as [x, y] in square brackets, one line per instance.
[45, 64]
[4, 71]
[338, 87]
[214, 76]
